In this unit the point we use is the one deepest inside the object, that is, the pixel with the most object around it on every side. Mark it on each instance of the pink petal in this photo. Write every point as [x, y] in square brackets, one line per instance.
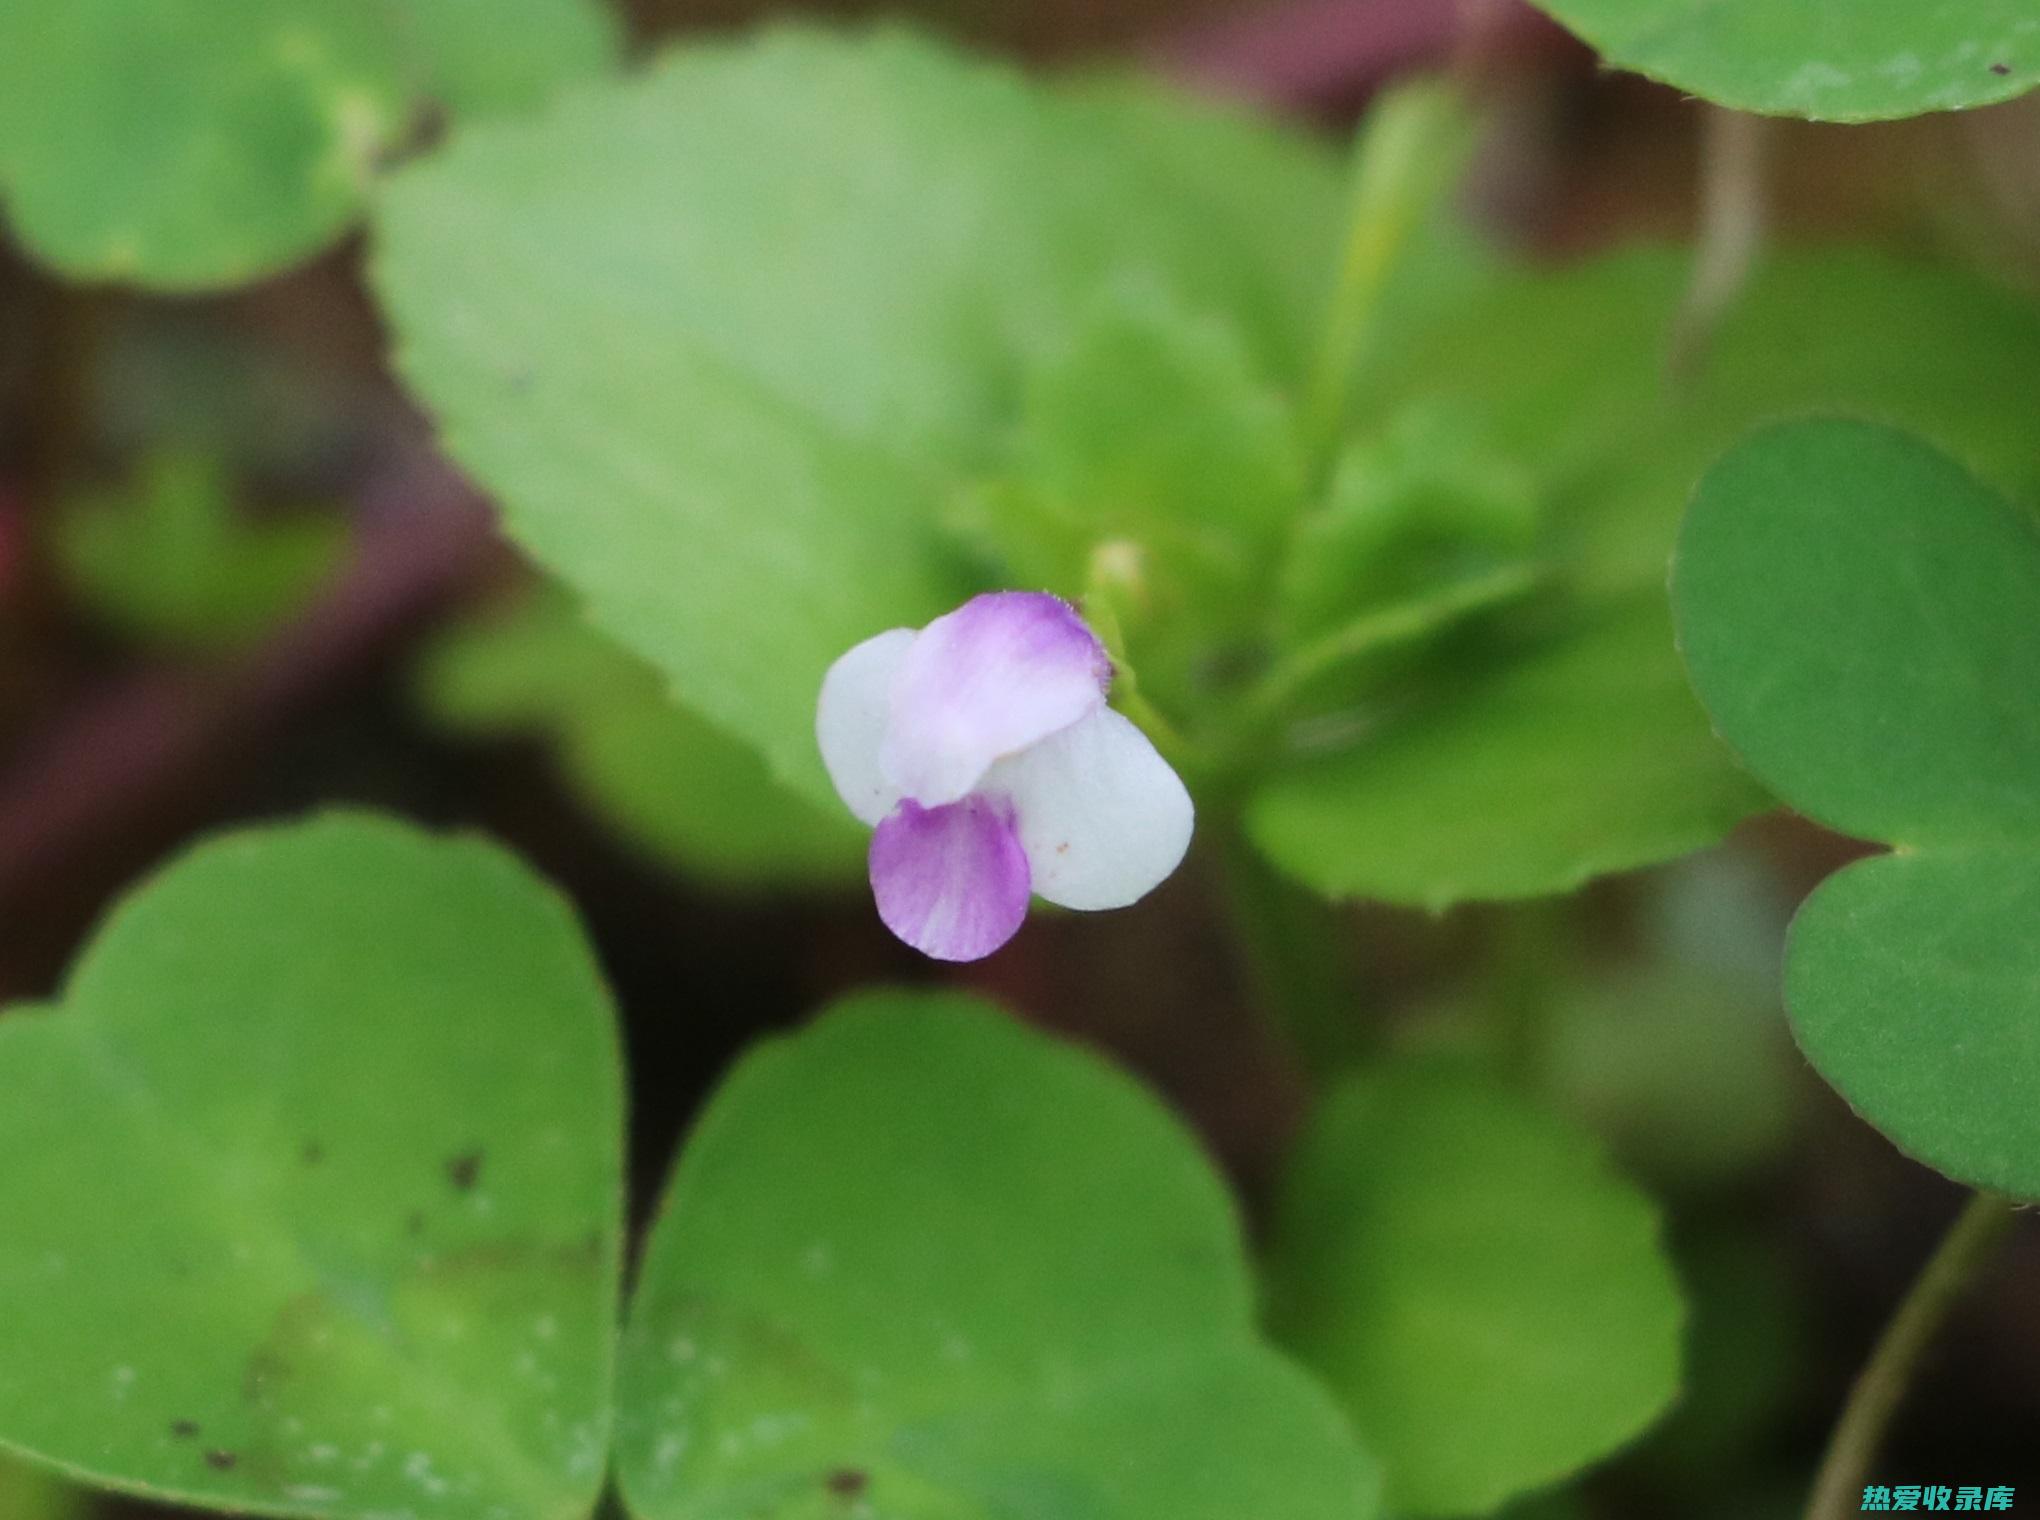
[1003, 671]
[951, 881]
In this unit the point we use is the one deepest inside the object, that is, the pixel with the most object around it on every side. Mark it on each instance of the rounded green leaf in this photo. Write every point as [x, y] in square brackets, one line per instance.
[1582, 756]
[1862, 620]
[724, 340]
[312, 1188]
[1914, 987]
[921, 1260]
[1490, 1301]
[1838, 60]
[187, 145]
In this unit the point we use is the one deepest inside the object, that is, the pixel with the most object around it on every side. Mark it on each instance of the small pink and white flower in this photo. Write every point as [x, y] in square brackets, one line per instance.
[982, 750]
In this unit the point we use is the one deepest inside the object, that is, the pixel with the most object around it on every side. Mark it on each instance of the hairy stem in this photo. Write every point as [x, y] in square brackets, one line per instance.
[1970, 1242]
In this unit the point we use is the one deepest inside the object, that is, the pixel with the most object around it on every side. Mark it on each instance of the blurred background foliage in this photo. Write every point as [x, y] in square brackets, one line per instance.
[236, 579]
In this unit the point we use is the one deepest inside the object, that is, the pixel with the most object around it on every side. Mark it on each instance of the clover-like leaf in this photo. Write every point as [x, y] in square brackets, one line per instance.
[187, 145]
[1488, 1299]
[931, 222]
[1861, 617]
[920, 1262]
[1840, 60]
[311, 1185]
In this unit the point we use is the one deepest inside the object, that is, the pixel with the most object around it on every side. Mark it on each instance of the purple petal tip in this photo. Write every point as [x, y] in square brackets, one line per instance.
[951, 881]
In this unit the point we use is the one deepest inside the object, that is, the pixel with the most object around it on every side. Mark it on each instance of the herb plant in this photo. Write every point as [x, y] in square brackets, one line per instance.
[1084, 486]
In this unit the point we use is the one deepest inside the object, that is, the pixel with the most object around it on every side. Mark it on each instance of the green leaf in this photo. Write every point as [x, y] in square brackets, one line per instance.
[167, 559]
[1487, 1298]
[654, 771]
[1422, 508]
[1582, 756]
[313, 1196]
[1152, 448]
[739, 461]
[1841, 60]
[1564, 374]
[921, 1259]
[1911, 980]
[506, 56]
[1560, 377]
[183, 146]
[1862, 619]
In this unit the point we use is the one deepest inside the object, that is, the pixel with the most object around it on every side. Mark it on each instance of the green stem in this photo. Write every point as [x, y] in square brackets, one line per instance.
[1296, 948]
[1970, 1242]
[1399, 160]
[1533, 943]
[1383, 628]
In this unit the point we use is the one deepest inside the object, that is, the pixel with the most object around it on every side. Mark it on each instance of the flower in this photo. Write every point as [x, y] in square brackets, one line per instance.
[981, 749]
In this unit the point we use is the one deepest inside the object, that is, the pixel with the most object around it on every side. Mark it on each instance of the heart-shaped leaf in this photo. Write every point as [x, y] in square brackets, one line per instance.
[1839, 60]
[1914, 984]
[1487, 1297]
[1862, 619]
[311, 1188]
[919, 1262]
[193, 145]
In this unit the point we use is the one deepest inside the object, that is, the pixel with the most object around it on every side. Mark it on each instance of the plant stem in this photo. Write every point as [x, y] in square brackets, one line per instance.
[1382, 628]
[1969, 1243]
[1297, 953]
[1731, 231]
[1402, 154]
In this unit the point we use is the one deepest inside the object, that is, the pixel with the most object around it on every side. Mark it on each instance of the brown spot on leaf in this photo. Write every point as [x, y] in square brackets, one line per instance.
[222, 1461]
[465, 1170]
[312, 1153]
[414, 1224]
[848, 1482]
[184, 1430]
[2001, 69]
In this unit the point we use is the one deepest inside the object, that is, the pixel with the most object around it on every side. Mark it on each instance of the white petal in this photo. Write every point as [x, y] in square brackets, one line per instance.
[1101, 815]
[851, 718]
